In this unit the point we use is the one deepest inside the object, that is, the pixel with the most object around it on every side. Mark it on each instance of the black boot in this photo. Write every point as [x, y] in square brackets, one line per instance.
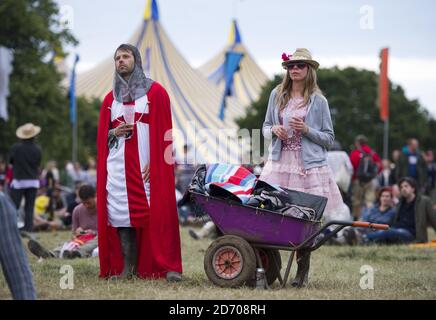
[128, 248]
[303, 261]
[38, 250]
[133, 252]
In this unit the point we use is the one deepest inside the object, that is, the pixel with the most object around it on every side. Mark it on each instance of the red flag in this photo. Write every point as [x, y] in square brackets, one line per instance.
[383, 89]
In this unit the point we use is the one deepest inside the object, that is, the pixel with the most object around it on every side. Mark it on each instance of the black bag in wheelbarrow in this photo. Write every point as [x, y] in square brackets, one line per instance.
[305, 200]
[288, 202]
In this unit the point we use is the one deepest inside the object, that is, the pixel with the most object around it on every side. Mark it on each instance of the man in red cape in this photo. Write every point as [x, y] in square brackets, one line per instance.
[138, 231]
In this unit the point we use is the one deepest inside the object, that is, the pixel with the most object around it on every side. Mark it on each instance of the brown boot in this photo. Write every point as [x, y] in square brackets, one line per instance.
[303, 261]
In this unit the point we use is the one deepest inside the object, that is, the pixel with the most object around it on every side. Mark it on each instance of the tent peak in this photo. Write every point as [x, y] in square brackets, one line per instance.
[151, 11]
[235, 36]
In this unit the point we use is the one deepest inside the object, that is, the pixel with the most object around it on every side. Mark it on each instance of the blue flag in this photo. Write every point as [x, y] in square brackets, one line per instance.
[72, 92]
[231, 65]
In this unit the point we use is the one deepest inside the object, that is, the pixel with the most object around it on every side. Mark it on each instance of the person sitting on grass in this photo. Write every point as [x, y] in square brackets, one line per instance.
[414, 215]
[84, 227]
[208, 230]
[383, 212]
[72, 201]
[42, 219]
[57, 206]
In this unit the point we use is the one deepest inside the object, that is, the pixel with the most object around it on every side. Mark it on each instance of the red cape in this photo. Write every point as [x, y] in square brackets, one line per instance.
[159, 241]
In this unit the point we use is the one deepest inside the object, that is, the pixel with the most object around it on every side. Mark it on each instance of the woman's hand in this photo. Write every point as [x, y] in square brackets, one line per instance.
[280, 132]
[298, 124]
[123, 129]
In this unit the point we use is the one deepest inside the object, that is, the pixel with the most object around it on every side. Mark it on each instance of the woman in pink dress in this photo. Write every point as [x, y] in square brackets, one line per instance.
[299, 124]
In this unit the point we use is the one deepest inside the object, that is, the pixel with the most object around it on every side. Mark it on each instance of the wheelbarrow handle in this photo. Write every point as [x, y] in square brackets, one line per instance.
[362, 224]
[340, 225]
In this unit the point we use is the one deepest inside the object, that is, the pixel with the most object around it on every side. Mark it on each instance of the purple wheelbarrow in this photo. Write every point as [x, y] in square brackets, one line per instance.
[252, 238]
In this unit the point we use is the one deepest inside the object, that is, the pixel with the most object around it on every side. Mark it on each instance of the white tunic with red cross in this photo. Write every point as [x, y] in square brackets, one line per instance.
[128, 196]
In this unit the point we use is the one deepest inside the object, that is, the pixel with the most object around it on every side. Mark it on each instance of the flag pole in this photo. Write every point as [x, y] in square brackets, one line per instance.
[73, 111]
[384, 99]
[74, 151]
[386, 140]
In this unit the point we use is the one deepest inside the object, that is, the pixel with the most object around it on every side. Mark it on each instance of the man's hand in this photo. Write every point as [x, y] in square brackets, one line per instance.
[146, 173]
[123, 129]
[78, 231]
[298, 124]
[280, 132]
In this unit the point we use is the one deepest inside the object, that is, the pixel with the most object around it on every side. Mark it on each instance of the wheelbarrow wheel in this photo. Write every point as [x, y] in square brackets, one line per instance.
[272, 263]
[230, 262]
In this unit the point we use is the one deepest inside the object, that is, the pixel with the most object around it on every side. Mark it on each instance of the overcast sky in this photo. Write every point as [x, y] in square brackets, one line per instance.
[338, 32]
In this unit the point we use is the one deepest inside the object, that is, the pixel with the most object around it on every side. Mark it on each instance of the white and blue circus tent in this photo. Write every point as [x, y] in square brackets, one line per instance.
[195, 101]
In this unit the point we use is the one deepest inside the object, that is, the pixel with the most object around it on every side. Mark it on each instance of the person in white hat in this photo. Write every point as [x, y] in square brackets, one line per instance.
[25, 158]
[300, 128]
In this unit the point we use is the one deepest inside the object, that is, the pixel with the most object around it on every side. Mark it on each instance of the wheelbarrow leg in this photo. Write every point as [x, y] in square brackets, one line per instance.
[303, 262]
[276, 263]
[288, 269]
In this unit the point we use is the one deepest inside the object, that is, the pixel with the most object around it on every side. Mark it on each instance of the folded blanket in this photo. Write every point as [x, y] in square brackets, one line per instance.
[233, 181]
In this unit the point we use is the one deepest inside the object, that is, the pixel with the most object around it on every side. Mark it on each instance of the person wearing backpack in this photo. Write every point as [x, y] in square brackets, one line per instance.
[366, 164]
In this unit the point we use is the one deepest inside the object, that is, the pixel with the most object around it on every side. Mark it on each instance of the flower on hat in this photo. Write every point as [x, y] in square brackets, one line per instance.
[285, 57]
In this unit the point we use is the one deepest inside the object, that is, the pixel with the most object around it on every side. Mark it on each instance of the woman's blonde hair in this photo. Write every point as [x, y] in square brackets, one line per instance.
[284, 89]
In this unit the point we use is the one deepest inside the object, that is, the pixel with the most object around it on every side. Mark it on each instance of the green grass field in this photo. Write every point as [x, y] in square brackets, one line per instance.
[400, 272]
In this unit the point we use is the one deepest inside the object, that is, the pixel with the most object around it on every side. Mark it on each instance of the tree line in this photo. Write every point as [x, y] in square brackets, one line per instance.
[352, 95]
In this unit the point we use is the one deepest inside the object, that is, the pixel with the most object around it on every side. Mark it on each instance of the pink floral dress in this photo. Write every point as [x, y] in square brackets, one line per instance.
[289, 171]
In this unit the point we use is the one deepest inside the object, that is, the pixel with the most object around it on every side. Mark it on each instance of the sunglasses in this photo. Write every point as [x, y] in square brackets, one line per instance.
[299, 65]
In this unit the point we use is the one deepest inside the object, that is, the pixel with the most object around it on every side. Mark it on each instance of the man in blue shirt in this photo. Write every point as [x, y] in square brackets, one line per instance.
[412, 164]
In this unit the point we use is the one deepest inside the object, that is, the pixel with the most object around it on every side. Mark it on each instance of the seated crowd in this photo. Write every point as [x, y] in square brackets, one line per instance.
[408, 219]
[84, 230]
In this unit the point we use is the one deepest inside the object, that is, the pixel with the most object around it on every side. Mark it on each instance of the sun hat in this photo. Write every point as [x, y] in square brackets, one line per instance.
[28, 131]
[300, 55]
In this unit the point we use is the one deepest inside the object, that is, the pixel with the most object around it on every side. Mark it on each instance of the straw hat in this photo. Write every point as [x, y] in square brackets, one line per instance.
[28, 131]
[300, 55]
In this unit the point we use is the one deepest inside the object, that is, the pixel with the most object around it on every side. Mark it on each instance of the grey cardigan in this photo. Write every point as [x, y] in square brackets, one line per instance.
[315, 143]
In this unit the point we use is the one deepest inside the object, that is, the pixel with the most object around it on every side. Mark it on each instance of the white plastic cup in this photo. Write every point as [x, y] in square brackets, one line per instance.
[129, 114]
[286, 119]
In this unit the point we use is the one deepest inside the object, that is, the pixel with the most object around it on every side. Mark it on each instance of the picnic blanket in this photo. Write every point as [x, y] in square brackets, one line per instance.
[232, 181]
[76, 242]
